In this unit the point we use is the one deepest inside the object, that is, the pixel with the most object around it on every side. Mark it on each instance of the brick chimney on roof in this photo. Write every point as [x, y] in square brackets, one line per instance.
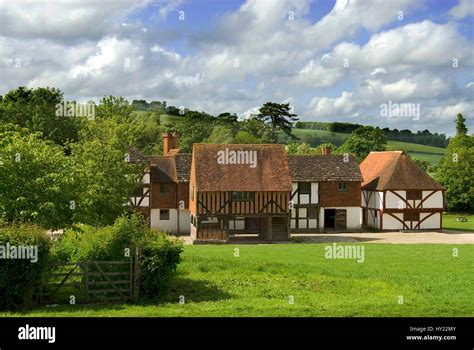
[326, 151]
[170, 142]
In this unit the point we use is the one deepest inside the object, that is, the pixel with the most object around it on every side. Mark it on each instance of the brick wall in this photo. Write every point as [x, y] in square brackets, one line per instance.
[330, 196]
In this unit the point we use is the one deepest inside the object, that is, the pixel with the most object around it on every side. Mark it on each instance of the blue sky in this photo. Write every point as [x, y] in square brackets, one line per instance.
[331, 60]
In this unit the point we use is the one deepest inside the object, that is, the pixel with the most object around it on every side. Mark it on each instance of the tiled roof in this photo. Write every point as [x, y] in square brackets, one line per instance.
[271, 172]
[324, 168]
[394, 170]
[162, 169]
[176, 168]
[183, 166]
[136, 156]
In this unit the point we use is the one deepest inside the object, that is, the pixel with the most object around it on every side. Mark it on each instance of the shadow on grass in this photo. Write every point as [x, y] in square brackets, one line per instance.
[194, 291]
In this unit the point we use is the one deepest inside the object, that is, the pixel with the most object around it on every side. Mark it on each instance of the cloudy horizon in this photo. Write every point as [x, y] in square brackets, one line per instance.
[332, 61]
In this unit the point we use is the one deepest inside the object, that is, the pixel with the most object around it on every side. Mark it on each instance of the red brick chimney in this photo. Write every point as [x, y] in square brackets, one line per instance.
[170, 142]
[326, 151]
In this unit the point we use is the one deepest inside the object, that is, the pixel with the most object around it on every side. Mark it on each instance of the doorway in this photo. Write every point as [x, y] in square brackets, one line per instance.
[330, 218]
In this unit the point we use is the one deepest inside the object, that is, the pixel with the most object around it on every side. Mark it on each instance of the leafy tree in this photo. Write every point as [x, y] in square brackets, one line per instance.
[229, 120]
[455, 170]
[105, 178]
[257, 128]
[423, 164]
[37, 183]
[221, 134]
[194, 127]
[461, 128]
[279, 117]
[117, 108]
[363, 141]
[36, 109]
[244, 137]
[147, 131]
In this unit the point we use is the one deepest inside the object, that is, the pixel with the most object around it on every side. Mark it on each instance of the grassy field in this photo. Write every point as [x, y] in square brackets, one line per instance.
[423, 152]
[264, 279]
[450, 223]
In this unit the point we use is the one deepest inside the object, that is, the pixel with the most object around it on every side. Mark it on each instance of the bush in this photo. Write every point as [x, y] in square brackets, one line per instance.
[160, 253]
[20, 277]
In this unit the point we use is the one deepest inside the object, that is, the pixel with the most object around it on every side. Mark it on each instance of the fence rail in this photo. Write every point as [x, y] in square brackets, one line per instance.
[91, 282]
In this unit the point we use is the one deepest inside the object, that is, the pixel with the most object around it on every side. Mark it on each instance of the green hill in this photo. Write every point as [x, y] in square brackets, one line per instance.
[316, 137]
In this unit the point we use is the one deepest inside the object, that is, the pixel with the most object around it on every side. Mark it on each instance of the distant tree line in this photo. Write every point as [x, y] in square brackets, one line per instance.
[424, 137]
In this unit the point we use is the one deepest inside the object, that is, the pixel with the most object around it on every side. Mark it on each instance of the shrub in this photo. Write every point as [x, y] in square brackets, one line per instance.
[160, 255]
[20, 277]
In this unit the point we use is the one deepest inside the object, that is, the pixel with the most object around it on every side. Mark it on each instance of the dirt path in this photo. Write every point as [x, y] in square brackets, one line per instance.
[445, 237]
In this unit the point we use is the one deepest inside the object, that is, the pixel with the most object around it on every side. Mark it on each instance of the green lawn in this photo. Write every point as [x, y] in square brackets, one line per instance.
[450, 223]
[264, 278]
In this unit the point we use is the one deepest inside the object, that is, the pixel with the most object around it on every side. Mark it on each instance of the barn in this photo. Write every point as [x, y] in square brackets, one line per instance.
[399, 195]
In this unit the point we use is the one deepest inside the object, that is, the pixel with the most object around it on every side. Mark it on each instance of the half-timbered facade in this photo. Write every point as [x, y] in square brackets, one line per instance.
[239, 189]
[326, 191]
[164, 194]
[398, 195]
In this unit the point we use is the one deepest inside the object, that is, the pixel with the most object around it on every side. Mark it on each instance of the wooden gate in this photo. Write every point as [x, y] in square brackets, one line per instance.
[89, 282]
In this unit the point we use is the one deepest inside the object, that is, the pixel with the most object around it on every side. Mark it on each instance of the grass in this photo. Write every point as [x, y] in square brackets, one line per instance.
[450, 223]
[263, 279]
[316, 137]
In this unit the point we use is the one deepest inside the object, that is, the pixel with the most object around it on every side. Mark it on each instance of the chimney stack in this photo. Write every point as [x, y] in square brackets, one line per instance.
[326, 151]
[170, 142]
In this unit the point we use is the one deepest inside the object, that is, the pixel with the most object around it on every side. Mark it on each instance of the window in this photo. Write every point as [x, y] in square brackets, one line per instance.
[312, 213]
[251, 224]
[342, 186]
[162, 189]
[243, 196]
[304, 187]
[414, 194]
[164, 214]
[411, 216]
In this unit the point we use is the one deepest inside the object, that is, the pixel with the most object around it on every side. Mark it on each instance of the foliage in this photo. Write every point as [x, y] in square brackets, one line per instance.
[455, 172]
[279, 117]
[105, 178]
[423, 164]
[35, 109]
[160, 253]
[221, 134]
[20, 277]
[37, 181]
[363, 141]
[461, 128]
[422, 137]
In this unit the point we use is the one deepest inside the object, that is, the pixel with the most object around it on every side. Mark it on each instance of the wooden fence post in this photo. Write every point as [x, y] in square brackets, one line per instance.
[86, 280]
[136, 274]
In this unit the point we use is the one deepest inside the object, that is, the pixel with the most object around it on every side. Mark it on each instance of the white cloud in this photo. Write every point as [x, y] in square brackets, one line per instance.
[463, 9]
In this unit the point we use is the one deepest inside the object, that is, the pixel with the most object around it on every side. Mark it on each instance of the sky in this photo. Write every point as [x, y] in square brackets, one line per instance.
[339, 60]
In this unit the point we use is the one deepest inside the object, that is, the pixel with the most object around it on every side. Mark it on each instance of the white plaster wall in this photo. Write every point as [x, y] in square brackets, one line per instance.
[435, 201]
[170, 225]
[393, 200]
[184, 221]
[294, 188]
[314, 192]
[390, 223]
[433, 222]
